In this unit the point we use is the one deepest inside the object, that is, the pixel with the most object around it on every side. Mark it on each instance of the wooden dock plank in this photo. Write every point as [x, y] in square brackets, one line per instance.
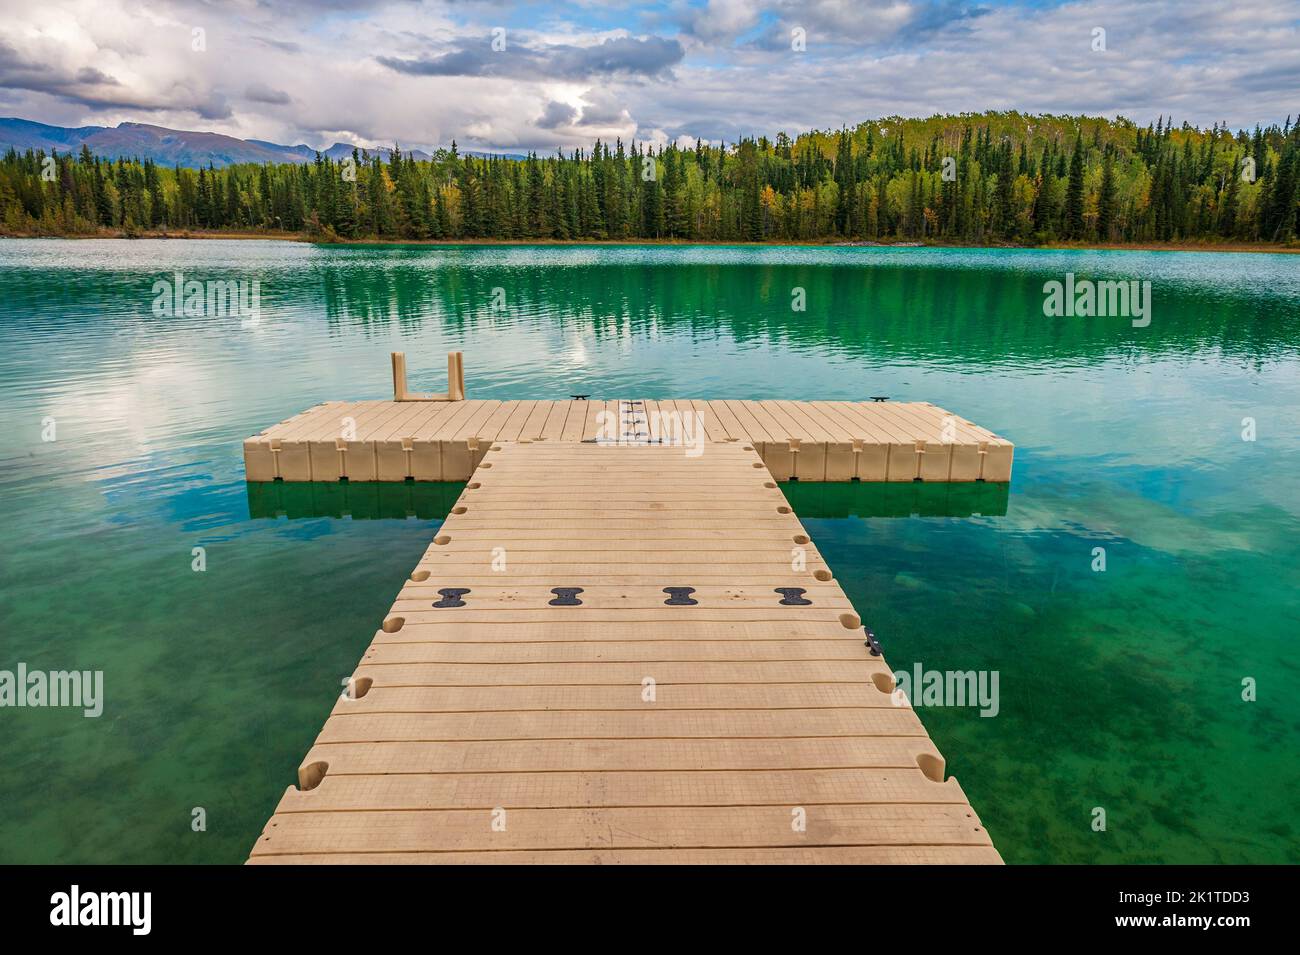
[599, 651]
[781, 787]
[492, 427]
[619, 672]
[720, 412]
[599, 756]
[509, 699]
[665, 827]
[553, 428]
[574, 422]
[592, 725]
[674, 630]
[787, 855]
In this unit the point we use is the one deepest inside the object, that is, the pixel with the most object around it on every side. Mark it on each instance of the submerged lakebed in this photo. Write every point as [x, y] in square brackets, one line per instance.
[1171, 446]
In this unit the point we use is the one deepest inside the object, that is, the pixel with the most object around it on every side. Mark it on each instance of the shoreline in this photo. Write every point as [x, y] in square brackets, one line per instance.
[200, 235]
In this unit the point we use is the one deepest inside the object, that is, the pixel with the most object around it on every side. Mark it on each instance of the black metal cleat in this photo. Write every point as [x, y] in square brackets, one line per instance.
[451, 597]
[565, 597]
[793, 597]
[680, 596]
[871, 642]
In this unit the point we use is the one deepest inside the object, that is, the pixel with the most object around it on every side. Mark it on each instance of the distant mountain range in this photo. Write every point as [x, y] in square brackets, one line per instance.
[171, 147]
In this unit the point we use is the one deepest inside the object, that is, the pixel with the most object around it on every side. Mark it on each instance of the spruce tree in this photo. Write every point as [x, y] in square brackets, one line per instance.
[1074, 193]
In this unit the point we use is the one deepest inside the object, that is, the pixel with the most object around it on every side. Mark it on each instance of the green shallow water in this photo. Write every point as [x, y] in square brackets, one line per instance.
[1119, 690]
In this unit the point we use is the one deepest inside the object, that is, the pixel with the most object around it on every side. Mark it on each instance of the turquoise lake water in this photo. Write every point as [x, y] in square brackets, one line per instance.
[1120, 689]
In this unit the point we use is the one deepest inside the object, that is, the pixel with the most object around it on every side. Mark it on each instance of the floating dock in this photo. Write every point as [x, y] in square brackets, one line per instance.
[618, 650]
[445, 440]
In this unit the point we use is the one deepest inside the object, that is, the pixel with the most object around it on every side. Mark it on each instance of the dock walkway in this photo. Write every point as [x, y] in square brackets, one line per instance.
[803, 440]
[618, 654]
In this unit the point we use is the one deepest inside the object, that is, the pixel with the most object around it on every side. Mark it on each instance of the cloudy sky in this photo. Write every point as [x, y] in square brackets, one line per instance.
[510, 76]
